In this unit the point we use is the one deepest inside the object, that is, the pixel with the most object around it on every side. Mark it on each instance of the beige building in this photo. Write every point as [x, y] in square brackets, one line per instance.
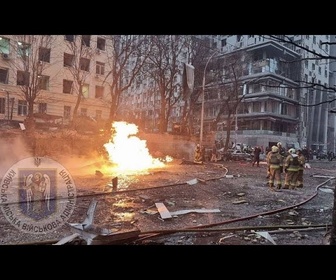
[57, 65]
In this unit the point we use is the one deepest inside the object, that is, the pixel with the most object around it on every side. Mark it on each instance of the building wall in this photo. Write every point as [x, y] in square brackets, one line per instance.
[313, 71]
[54, 96]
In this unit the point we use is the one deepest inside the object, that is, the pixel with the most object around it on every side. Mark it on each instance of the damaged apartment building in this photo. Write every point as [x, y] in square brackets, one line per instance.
[277, 99]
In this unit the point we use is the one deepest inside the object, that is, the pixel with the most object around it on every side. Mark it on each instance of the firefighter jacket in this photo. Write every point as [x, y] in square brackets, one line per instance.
[274, 160]
[292, 163]
[302, 161]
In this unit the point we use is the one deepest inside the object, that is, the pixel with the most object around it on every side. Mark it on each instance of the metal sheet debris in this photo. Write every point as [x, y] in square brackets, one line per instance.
[164, 213]
[267, 236]
[181, 212]
[67, 239]
[192, 182]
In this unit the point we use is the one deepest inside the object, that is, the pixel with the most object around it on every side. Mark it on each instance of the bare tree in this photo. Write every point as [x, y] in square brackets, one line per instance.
[29, 66]
[228, 87]
[199, 51]
[163, 66]
[77, 57]
[126, 57]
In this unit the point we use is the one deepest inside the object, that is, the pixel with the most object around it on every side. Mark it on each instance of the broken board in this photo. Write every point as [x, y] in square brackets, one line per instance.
[164, 213]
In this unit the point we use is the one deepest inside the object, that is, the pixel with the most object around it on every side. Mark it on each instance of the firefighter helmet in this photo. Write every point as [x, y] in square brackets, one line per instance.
[292, 151]
[275, 149]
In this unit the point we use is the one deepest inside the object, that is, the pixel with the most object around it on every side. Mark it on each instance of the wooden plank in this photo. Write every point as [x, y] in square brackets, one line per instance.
[164, 213]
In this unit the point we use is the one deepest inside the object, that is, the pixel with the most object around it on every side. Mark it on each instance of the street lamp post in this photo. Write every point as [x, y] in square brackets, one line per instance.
[203, 89]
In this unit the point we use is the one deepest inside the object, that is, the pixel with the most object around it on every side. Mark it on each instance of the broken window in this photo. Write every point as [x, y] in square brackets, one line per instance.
[86, 40]
[4, 75]
[67, 86]
[98, 114]
[22, 78]
[23, 49]
[4, 45]
[84, 64]
[44, 54]
[67, 112]
[2, 105]
[42, 108]
[99, 92]
[68, 60]
[101, 43]
[69, 38]
[43, 82]
[83, 112]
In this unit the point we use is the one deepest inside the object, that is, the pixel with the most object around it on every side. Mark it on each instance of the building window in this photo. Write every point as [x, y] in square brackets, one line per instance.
[223, 42]
[256, 107]
[4, 75]
[42, 108]
[22, 78]
[44, 55]
[101, 42]
[67, 86]
[83, 112]
[99, 92]
[23, 49]
[98, 114]
[68, 60]
[22, 108]
[100, 68]
[4, 45]
[84, 64]
[69, 38]
[85, 90]
[67, 112]
[2, 105]
[44, 82]
[86, 40]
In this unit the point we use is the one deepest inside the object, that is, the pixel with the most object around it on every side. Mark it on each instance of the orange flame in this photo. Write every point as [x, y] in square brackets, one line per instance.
[127, 151]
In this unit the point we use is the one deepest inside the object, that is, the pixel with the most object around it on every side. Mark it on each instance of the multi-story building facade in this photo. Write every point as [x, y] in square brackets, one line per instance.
[51, 60]
[278, 104]
[289, 102]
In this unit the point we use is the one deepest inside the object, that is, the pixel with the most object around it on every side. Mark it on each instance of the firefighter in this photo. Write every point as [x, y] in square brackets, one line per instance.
[282, 150]
[291, 168]
[302, 162]
[198, 154]
[274, 168]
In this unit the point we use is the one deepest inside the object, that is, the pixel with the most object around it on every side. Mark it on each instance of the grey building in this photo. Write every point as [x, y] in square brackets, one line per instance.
[287, 91]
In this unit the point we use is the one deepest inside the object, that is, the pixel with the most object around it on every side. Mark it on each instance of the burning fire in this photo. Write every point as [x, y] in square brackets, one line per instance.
[128, 152]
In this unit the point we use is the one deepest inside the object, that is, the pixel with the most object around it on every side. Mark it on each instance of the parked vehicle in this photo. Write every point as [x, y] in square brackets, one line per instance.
[238, 155]
[235, 155]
